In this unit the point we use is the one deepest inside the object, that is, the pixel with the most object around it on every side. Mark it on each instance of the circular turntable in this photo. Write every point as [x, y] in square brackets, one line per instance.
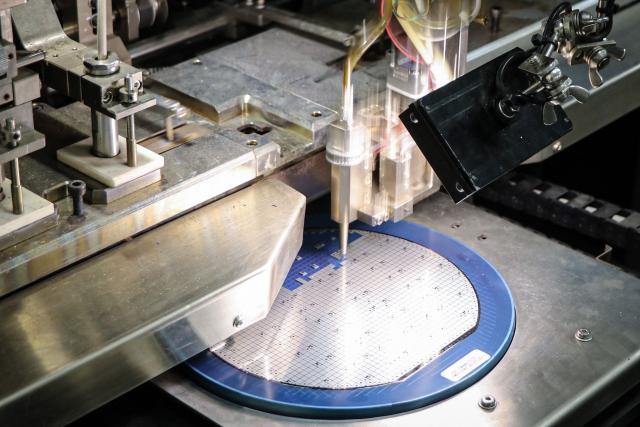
[408, 318]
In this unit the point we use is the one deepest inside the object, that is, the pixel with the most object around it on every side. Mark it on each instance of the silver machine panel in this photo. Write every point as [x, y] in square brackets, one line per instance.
[117, 285]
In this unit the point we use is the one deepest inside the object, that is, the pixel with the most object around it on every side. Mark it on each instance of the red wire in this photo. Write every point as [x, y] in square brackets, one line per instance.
[394, 39]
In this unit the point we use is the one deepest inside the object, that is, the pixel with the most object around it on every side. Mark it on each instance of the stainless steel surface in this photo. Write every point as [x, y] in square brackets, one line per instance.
[253, 71]
[557, 291]
[362, 324]
[85, 335]
[310, 177]
[104, 131]
[26, 86]
[211, 165]
[30, 58]
[205, 168]
[264, 16]
[197, 26]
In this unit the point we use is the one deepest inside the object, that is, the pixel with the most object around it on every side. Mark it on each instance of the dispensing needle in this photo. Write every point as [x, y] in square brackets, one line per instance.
[344, 237]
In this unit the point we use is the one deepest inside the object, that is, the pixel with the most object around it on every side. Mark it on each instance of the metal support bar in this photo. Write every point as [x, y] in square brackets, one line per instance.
[178, 291]
[11, 135]
[102, 29]
[16, 188]
[132, 155]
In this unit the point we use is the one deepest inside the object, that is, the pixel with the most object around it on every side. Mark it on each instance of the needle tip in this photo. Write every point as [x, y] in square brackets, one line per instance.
[344, 238]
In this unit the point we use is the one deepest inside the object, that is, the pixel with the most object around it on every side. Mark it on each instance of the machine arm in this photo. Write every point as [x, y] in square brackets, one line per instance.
[486, 123]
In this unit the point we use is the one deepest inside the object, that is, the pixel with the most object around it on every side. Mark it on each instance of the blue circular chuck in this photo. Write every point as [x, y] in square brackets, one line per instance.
[457, 367]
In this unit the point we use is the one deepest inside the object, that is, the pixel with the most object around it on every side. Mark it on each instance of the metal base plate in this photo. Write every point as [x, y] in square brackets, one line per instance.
[35, 209]
[409, 318]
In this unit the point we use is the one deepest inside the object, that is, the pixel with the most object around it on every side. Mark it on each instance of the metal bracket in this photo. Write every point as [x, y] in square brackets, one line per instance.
[38, 29]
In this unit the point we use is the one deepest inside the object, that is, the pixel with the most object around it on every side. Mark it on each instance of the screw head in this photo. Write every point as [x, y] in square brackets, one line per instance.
[197, 61]
[488, 402]
[583, 335]
[557, 146]
[107, 97]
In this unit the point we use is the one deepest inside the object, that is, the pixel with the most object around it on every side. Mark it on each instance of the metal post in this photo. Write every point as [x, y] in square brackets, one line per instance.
[104, 128]
[16, 188]
[13, 135]
[104, 131]
[102, 29]
[130, 95]
[132, 158]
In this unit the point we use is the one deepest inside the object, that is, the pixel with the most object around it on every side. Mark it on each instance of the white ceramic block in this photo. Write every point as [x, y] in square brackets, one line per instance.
[35, 209]
[113, 171]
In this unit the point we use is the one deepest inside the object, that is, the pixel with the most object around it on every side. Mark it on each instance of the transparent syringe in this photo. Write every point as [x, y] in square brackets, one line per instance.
[436, 31]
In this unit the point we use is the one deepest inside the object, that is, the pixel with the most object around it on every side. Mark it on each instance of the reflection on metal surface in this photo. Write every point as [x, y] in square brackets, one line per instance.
[180, 135]
[86, 334]
[209, 167]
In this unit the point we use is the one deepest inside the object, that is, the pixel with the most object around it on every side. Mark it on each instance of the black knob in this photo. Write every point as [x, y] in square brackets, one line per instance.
[77, 188]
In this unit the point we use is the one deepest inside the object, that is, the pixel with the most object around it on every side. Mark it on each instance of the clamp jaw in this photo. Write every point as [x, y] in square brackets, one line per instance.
[579, 37]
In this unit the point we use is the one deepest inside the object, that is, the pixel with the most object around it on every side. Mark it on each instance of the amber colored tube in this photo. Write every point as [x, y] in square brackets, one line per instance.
[372, 31]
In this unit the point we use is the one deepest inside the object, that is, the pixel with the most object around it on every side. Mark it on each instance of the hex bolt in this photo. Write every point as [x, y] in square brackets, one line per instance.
[583, 335]
[77, 189]
[130, 91]
[237, 322]
[488, 402]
